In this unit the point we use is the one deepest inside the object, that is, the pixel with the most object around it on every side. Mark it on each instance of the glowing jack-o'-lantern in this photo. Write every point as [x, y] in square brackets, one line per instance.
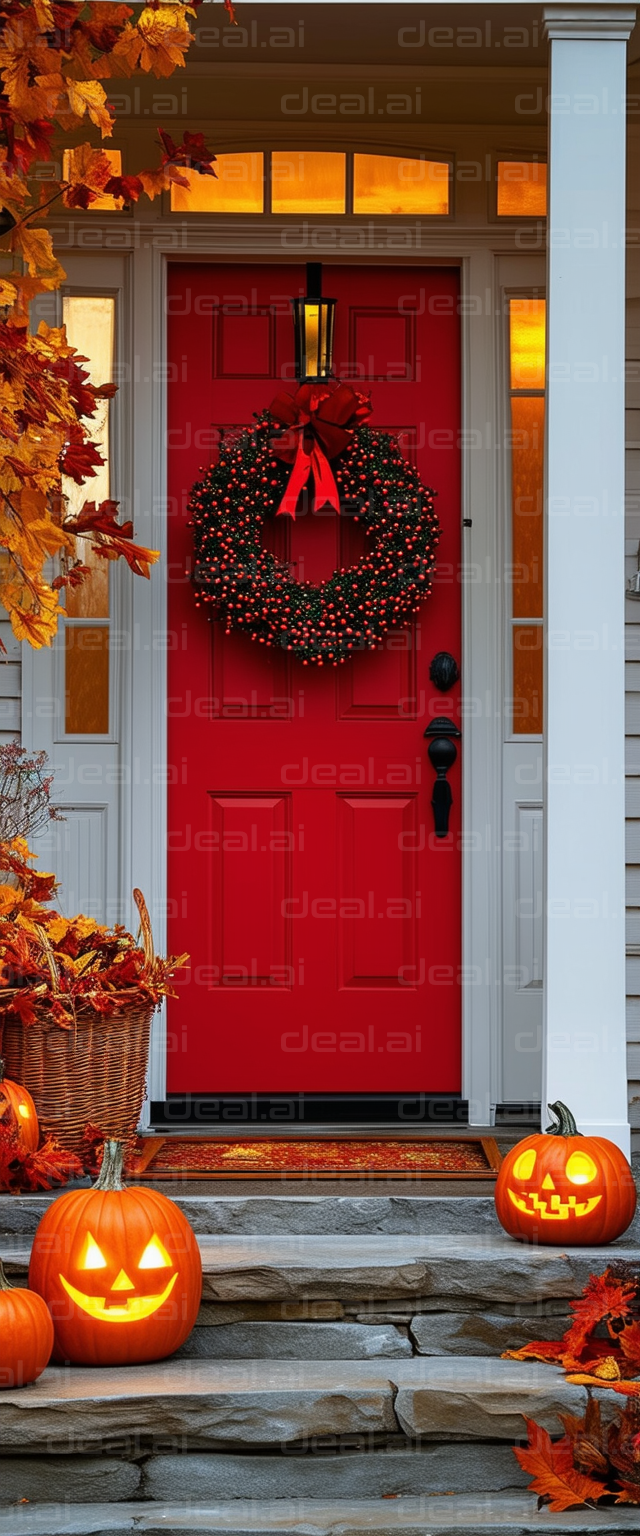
[119, 1269]
[18, 1110]
[564, 1188]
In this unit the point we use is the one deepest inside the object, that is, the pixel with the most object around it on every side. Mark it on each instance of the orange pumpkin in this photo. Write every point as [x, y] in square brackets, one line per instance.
[18, 1109]
[119, 1269]
[564, 1188]
[26, 1335]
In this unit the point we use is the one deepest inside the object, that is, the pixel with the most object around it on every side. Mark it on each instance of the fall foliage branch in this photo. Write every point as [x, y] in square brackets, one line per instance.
[53, 57]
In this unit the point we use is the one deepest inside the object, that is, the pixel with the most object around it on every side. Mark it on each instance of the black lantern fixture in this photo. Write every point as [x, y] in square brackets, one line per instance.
[313, 319]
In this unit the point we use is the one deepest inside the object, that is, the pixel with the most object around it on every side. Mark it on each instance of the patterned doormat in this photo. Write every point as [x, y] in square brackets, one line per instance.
[428, 1157]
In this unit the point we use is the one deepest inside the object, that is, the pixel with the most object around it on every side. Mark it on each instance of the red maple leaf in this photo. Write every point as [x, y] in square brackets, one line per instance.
[605, 1300]
[80, 458]
[129, 188]
[555, 1478]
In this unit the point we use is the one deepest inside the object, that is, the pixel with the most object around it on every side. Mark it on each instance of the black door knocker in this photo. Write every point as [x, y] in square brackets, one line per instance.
[442, 735]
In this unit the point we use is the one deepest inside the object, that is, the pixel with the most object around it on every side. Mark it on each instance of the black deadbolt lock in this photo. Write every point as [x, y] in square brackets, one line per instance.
[442, 735]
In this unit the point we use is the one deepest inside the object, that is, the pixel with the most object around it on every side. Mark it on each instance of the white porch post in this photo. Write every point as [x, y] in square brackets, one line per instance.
[584, 1025]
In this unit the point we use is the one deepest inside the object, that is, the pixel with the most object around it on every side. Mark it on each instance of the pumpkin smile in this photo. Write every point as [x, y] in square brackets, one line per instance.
[130, 1311]
[555, 1209]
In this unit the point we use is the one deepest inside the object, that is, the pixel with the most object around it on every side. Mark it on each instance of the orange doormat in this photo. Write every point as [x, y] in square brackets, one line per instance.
[428, 1157]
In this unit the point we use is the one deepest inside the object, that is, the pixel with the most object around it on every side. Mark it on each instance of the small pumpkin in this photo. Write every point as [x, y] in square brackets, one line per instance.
[561, 1187]
[26, 1335]
[119, 1269]
[18, 1109]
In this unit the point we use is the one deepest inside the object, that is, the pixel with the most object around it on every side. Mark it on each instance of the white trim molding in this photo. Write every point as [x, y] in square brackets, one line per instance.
[584, 898]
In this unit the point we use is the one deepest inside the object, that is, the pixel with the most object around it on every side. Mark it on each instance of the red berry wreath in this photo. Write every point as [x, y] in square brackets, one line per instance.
[247, 587]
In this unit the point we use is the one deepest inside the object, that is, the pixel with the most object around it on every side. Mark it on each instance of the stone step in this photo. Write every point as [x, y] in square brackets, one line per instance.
[308, 1214]
[446, 1272]
[180, 1405]
[471, 1515]
[204, 1476]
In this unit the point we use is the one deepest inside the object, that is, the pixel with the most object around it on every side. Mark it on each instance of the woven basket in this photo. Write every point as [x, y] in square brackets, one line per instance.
[93, 1072]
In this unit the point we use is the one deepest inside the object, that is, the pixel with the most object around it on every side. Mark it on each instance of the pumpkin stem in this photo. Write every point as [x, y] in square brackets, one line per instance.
[565, 1124]
[5, 1285]
[110, 1175]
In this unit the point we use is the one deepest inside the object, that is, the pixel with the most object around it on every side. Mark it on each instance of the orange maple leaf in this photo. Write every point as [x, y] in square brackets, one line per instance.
[555, 1478]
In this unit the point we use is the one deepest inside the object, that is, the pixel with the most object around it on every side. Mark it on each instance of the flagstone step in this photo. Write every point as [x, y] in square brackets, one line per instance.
[445, 1271]
[177, 1405]
[266, 1214]
[470, 1515]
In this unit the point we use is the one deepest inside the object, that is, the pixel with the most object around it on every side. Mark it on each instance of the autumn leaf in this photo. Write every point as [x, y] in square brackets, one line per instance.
[33, 610]
[554, 1476]
[89, 96]
[110, 538]
[36, 248]
[605, 1299]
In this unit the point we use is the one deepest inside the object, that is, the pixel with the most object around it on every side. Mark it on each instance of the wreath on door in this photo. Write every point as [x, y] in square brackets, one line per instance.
[317, 435]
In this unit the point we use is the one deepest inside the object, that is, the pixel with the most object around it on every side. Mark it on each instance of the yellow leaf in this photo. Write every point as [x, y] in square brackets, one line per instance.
[154, 182]
[90, 166]
[35, 246]
[44, 15]
[166, 38]
[8, 292]
[58, 928]
[33, 609]
[9, 897]
[90, 96]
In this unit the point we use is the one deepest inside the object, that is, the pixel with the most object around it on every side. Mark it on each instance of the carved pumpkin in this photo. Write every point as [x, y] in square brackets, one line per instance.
[26, 1335]
[119, 1269]
[563, 1188]
[18, 1109]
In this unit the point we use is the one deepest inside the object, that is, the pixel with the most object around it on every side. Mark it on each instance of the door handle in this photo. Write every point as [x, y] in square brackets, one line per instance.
[442, 735]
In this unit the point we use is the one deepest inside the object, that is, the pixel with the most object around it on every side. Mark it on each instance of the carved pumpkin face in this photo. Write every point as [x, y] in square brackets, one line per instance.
[565, 1188]
[121, 1274]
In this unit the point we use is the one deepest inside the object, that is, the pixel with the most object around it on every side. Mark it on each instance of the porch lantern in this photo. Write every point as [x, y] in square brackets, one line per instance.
[313, 319]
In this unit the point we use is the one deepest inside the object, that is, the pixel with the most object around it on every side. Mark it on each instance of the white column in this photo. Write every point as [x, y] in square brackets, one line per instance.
[584, 1030]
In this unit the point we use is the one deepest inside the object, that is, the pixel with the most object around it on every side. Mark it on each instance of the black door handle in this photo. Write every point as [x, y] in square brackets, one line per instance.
[442, 735]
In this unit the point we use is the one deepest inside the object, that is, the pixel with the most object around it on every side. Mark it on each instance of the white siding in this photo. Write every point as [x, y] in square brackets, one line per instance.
[10, 682]
[633, 659]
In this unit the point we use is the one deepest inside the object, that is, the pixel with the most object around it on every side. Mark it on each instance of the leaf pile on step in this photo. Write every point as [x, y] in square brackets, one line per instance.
[594, 1462]
[601, 1347]
[54, 963]
[23, 1172]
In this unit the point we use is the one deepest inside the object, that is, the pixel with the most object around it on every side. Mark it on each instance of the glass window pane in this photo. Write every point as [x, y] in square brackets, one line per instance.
[105, 202]
[386, 184]
[303, 181]
[527, 679]
[527, 343]
[90, 324]
[86, 679]
[238, 187]
[522, 188]
[527, 449]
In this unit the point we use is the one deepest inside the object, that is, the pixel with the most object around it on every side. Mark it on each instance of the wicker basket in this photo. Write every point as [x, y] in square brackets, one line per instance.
[93, 1072]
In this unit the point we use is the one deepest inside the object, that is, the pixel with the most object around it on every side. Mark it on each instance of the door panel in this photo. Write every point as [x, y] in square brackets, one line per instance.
[321, 914]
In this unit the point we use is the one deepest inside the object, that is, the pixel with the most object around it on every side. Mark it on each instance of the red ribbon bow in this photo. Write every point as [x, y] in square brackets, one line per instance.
[317, 425]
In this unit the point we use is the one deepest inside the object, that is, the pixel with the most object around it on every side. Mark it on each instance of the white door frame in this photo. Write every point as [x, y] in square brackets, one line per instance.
[482, 629]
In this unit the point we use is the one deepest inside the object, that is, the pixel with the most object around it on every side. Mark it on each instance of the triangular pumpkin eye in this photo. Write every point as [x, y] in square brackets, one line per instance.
[92, 1255]
[155, 1255]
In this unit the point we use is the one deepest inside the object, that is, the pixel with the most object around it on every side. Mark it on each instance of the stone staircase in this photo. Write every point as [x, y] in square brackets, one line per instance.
[344, 1375]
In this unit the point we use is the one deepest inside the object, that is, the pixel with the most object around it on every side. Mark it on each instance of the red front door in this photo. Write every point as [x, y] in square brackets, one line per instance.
[321, 913]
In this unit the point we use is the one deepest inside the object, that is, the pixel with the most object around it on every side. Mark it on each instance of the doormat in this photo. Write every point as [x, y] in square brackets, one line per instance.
[428, 1157]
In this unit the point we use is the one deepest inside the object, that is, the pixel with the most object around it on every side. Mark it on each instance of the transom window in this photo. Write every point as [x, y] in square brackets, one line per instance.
[521, 189]
[311, 181]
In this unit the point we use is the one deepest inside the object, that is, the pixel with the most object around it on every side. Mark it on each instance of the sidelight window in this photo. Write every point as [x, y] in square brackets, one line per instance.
[90, 322]
[527, 406]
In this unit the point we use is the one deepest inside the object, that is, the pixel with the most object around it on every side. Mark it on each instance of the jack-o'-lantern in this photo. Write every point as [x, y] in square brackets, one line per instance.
[564, 1188]
[18, 1110]
[26, 1335]
[119, 1269]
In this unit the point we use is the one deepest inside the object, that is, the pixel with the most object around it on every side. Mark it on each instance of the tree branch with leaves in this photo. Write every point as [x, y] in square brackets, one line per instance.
[53, 60]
